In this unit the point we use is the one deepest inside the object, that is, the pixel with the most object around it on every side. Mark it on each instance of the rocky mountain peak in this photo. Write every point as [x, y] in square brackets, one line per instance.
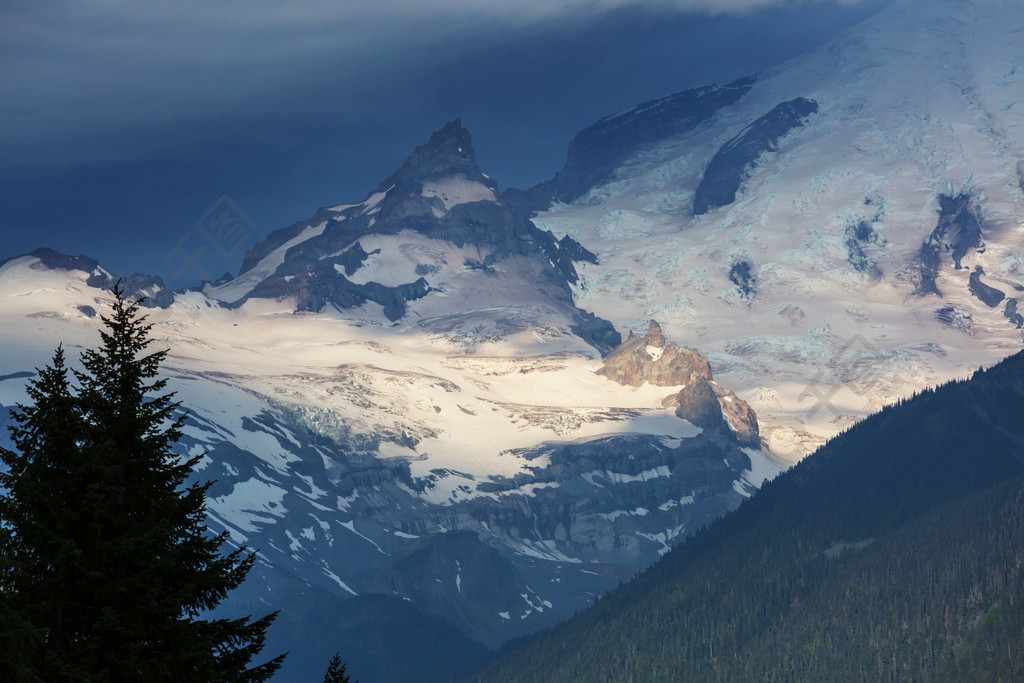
[448, 152]
[435, 228]
[451, 138]
[654, 336]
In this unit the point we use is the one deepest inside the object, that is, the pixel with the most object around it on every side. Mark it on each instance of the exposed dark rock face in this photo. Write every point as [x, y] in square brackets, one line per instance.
[741, 274]
[152, 287]
[860, 237]
[958, 230]
[926, 270]
[597, 332]
[275, 239]
[701, 401]
[731, 164]
[449, 151]
[697, 404]
[54, 260]
[423, 197]
[563, 253]
[320, 284]
[353, 257]
[149, 288]
[1012, 315]
[990, 296]
[599, 482]
[739, 415]
[709, 405]
[956, 317]
[597, 151]
[959, 226]
[575, 251]
[1020, 174]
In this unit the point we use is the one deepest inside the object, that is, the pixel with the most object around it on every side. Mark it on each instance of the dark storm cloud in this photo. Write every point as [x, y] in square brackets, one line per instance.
[82, 75]
[123, 121]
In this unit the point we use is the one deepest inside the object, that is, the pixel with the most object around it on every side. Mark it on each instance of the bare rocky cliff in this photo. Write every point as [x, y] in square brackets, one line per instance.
[700, 400]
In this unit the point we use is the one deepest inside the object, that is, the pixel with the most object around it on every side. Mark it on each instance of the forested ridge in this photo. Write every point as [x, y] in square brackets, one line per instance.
[895, 552]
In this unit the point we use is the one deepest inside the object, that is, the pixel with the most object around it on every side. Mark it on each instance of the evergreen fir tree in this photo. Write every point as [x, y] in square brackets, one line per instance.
[40, 579]
[106, 554]
[336, 671]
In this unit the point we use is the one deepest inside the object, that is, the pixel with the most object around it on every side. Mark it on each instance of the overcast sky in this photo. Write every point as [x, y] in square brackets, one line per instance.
[122, 122]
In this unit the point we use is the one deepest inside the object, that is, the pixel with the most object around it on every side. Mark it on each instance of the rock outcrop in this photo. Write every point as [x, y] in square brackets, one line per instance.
[696, 403]
[988, 295]
[701, 401]
[958, 231]
[739, 415]
[652, 360]
[731, 164]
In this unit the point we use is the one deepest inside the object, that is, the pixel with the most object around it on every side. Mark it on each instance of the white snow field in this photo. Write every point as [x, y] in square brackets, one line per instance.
[899, 123]
[457, 412]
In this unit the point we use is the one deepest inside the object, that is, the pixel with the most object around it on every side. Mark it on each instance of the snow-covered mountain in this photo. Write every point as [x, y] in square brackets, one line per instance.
[400, 397]
[834, 233]
[434, 248]
[426, 394]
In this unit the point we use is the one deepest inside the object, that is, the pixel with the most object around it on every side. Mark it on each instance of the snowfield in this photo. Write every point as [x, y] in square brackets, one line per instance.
[821, 344]
[338, 441]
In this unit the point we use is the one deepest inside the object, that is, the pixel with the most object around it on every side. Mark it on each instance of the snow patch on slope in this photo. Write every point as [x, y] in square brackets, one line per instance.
[458, 189]
[234, 290]
[251, 503]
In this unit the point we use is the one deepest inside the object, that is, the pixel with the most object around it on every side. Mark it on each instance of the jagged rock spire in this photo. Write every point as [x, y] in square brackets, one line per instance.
[654, 336]
[701, 401]
[448, 152]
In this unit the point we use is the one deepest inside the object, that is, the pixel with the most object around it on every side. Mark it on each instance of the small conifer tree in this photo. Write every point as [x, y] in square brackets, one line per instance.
[336, 671]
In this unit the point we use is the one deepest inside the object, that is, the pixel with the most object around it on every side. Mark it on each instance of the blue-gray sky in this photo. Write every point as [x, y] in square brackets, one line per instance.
[122, 122]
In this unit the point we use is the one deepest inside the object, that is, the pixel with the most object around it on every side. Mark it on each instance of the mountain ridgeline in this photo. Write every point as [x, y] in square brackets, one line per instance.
[440, 195]
[729, 167]
[596, 152]
[895, 552]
